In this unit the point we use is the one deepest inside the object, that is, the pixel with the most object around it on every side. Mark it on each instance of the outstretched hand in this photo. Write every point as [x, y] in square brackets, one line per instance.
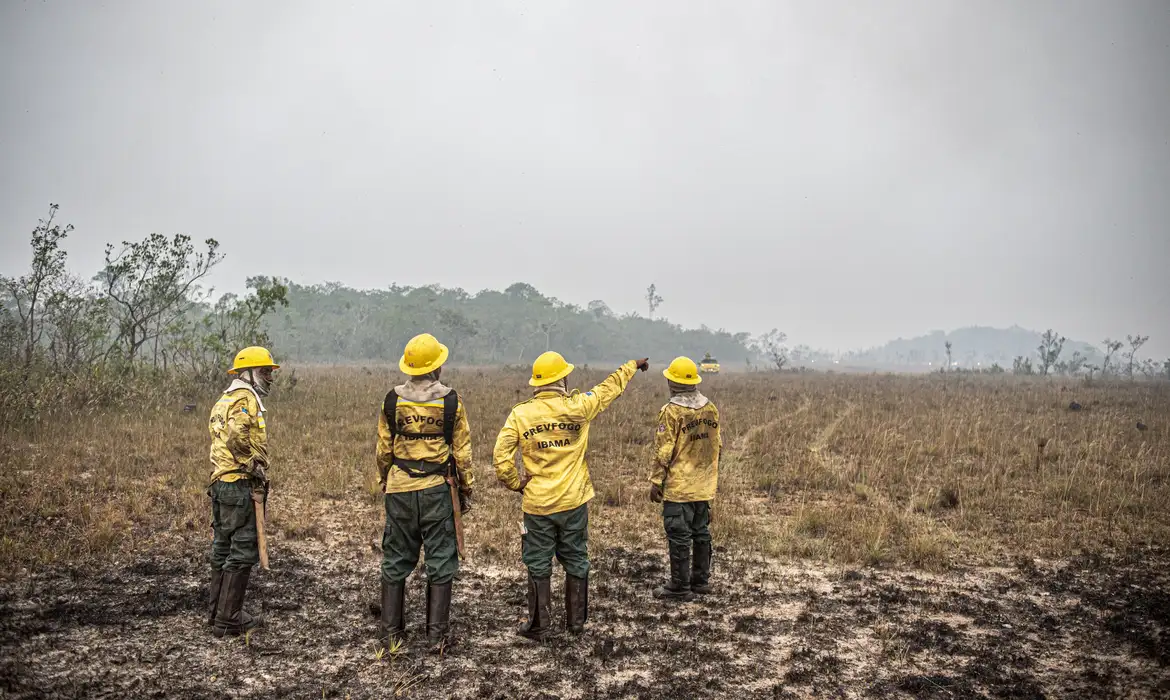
[643, 364]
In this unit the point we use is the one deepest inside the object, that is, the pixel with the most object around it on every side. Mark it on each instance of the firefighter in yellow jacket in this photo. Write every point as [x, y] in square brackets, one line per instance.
[551, 431]
[684, 478]
[239, 463]
[423, 438]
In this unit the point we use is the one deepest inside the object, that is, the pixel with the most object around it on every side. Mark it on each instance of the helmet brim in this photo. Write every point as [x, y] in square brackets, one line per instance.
[419, 371]
[237, 370]
[554, 378]
[681, 380]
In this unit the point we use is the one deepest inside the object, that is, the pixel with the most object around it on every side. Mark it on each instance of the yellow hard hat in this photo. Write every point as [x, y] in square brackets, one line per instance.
[251, 357]
[682, 370]
[548, 368]
[424, 354]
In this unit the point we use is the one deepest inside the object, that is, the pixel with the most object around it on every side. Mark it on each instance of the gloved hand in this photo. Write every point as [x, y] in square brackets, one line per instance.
[464, 501]
[523, 482]
[655, 493]
[643, 364]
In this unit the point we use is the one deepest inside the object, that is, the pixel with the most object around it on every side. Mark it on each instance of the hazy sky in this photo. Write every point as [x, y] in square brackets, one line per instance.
[846, 171]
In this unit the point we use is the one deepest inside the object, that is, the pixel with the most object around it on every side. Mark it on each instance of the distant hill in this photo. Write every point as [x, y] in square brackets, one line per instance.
[970, 347]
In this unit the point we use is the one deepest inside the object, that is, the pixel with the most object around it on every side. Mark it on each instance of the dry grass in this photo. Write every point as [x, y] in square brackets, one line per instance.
[927, 471]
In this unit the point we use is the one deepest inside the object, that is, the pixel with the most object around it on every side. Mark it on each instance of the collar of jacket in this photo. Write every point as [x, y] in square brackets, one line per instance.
[241, 384]
[691, 399]
[422, 390]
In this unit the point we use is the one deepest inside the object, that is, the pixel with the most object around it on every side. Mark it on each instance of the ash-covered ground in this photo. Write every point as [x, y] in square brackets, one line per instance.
[1091, 627]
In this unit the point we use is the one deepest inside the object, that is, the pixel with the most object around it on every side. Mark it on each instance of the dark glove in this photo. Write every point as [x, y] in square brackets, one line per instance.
[643, 364]
[523, 482]
[464, 501]
[655, 493]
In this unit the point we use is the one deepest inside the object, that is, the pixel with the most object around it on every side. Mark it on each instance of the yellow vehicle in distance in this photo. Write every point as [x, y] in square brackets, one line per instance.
[709, 365]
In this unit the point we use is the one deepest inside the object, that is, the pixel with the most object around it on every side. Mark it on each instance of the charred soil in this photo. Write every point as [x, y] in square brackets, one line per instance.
[1088, 627]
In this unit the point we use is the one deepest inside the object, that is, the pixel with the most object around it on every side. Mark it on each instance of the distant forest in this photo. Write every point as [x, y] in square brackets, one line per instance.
[334, 323]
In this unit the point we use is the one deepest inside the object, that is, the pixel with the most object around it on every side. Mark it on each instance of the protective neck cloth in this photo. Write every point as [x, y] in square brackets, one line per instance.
[258, 382]
[560, 386]
[686, 395]
[424, 388]
[241, 384]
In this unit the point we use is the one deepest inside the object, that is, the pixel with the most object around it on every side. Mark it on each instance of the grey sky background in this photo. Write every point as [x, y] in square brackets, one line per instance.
[847, 171]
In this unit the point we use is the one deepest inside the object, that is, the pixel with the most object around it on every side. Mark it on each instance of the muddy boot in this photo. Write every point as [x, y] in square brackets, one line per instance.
[213, 594]
[539, 610]
[392, 623]
[701, 569]
[679, 587]
[576, 603]
[438, 614]
[230, 618]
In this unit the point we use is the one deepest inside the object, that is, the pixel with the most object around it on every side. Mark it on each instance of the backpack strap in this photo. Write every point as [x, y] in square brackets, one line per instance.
[450, 407]
[390, 410]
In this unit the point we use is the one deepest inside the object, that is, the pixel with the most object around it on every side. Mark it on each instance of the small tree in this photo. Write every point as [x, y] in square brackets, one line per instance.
[1049, 351]
[1135, 344]
[30, 292]
[771, 346]
[1073, 365]
[653, 301]
[948, 346]
[149, 284]
[78, 325]
[1110, 346]
[1022, 365]
[206, 345]
[1166, 368]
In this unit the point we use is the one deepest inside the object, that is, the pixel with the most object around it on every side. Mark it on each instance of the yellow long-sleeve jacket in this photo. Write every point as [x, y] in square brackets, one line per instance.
[239, 434]
[686, 449]
[420, 410]
[551, 430]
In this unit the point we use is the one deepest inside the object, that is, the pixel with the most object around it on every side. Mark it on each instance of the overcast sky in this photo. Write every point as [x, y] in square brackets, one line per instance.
[847, 171]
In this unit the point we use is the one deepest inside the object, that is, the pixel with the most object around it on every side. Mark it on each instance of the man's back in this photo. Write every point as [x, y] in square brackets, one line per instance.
[551, 431]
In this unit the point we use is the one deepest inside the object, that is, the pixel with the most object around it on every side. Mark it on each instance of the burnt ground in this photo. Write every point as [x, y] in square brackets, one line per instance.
[1090, 627]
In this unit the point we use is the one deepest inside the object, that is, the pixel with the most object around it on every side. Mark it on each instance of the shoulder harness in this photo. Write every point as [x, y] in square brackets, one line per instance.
[418, 468]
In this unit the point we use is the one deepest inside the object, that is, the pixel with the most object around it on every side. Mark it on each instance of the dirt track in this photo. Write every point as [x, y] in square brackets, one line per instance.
[1085, 628]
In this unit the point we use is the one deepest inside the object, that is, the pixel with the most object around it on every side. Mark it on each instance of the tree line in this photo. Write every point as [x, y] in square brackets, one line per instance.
[334, 323]
[1126, 364]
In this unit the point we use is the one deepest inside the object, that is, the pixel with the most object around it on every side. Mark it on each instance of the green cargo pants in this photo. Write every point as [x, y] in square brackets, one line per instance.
[234, 545]
[687, 522]
[566, 534]
[420, 519]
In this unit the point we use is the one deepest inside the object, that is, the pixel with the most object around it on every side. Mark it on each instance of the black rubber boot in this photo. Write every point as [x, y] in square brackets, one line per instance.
[213, 594]
[576, 603]
[536, 627]
[230, 618]
[438, 614]
[392, 623]
[701, 569]
[679, 587]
